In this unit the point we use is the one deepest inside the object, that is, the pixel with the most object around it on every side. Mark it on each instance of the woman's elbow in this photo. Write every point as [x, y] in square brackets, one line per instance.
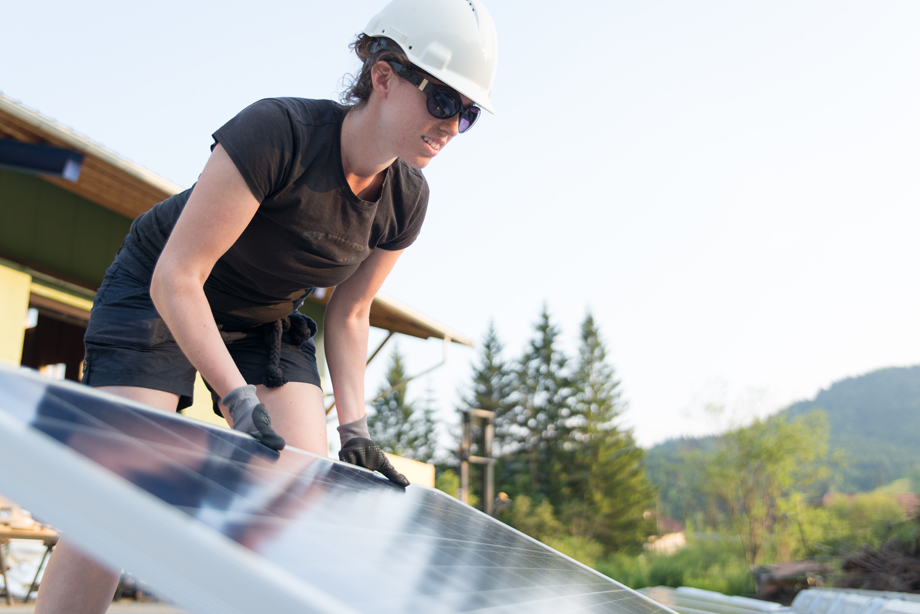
[168, 282]
[347, 312]
[159, 285]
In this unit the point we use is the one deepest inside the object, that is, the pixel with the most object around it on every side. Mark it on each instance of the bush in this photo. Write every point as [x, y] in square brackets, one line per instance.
[583, 550]
[870, 516]
[716, 565]
[540, 522]
[449, 482]
[852, 521]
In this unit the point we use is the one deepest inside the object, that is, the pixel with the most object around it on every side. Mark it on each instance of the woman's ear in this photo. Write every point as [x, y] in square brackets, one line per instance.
[382, 77]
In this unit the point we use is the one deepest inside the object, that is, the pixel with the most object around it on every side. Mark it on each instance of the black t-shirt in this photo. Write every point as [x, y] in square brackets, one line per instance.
[310, 230]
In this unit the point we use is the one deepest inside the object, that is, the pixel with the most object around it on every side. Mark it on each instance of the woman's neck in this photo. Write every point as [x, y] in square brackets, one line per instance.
[363, 159]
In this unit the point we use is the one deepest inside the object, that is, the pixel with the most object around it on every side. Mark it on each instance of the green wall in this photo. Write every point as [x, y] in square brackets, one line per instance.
[49, 228]
[317, 311]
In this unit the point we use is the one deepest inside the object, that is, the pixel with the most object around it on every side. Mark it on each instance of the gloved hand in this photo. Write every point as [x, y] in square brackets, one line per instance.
[250, 416]
[365, 453]
[358, 449]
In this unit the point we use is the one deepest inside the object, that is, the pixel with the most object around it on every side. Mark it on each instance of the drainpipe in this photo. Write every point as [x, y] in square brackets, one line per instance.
[447, 342]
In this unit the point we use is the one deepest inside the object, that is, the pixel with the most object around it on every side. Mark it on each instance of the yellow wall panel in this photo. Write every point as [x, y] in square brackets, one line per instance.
[14, 305]
[421, 474]
[202, 405]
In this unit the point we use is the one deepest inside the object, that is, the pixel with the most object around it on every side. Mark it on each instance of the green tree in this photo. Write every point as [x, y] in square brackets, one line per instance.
[608, 492]
[397, 425]
[492, 387]
[535, 461]
[759, 474]
[676, 480]
[425, 423]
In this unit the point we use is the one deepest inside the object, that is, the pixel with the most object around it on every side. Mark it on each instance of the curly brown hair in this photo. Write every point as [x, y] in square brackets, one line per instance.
[370, 49]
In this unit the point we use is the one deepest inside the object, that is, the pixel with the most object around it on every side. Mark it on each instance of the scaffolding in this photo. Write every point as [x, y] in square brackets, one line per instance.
[487, 418]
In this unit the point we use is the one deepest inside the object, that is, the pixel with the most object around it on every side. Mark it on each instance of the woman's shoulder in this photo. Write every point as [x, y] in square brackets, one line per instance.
[410, 179]
[305, 111]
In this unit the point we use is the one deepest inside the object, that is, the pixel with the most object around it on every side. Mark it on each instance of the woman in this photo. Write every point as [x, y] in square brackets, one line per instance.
[296, 194]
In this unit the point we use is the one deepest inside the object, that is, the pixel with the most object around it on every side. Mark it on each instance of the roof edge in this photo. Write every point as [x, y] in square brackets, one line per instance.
[83, 144]
[423, 321]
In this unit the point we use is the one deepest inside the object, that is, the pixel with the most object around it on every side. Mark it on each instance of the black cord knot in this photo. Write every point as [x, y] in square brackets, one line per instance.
[299, 329]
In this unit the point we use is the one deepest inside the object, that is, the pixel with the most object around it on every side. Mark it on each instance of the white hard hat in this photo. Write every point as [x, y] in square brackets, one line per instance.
[452, 40]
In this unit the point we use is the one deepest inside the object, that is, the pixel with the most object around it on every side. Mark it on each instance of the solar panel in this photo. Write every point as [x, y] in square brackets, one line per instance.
[216, 522]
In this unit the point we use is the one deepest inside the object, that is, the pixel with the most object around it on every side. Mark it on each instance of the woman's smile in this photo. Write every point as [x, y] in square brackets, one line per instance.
[433, 144]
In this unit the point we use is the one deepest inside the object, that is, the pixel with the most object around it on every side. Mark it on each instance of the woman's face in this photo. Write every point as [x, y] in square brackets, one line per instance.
[416, 135]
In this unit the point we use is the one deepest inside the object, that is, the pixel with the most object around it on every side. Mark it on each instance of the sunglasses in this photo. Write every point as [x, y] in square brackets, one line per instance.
[443, 102]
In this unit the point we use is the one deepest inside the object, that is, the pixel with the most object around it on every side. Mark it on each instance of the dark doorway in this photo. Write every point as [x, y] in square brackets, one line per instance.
[54, 344]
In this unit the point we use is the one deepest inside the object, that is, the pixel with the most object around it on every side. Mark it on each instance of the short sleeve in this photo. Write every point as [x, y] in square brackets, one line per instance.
[262, 143]
[409, 219]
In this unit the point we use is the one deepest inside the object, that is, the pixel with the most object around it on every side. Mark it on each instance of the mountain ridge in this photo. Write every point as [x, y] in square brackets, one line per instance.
[874, 422]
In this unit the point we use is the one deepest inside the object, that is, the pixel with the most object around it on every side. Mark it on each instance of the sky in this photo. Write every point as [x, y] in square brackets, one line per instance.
[730, 188]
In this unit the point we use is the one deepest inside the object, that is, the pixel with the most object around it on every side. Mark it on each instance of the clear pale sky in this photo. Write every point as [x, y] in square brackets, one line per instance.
[731, 188]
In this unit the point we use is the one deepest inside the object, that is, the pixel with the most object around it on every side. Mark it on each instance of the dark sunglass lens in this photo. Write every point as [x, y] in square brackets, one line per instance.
[444, 102]
[442, 105]
[468, 117]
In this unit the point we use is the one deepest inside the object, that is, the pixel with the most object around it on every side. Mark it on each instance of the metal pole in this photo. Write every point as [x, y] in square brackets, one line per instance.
[6, 580]
[488, 470]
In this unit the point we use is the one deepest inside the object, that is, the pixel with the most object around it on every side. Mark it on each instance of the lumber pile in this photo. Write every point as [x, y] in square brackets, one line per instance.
[894, 567]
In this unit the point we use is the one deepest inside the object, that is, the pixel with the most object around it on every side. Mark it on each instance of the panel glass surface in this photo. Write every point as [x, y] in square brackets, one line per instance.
[350, 533]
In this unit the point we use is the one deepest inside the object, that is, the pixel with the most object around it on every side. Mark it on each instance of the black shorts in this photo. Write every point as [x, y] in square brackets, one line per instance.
[128, 343]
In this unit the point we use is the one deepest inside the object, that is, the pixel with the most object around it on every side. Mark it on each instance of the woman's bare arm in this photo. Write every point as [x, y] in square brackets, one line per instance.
[218, 210]
[346, 325]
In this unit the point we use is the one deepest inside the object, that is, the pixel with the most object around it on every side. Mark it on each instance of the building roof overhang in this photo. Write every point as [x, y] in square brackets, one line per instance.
[106, 178]
[389, 314]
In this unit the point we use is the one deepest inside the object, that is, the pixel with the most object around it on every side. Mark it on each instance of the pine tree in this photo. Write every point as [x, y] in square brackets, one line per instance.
[426, 427]
[492, 386]
[396, 425]
[537, 458]
[608, 489]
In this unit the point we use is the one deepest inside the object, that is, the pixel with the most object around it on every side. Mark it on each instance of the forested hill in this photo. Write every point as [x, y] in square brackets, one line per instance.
[874, 421]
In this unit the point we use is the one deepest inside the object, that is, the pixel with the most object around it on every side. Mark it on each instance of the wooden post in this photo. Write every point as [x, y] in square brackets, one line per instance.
[465, 447]
[488, 473]
[466, 457]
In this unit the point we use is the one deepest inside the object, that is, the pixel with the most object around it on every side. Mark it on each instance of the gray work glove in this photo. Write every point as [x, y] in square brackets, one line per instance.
[250, 416]
[358, 449]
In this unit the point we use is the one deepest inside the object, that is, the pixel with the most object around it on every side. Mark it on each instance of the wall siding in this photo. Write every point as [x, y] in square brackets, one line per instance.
[49, 228]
